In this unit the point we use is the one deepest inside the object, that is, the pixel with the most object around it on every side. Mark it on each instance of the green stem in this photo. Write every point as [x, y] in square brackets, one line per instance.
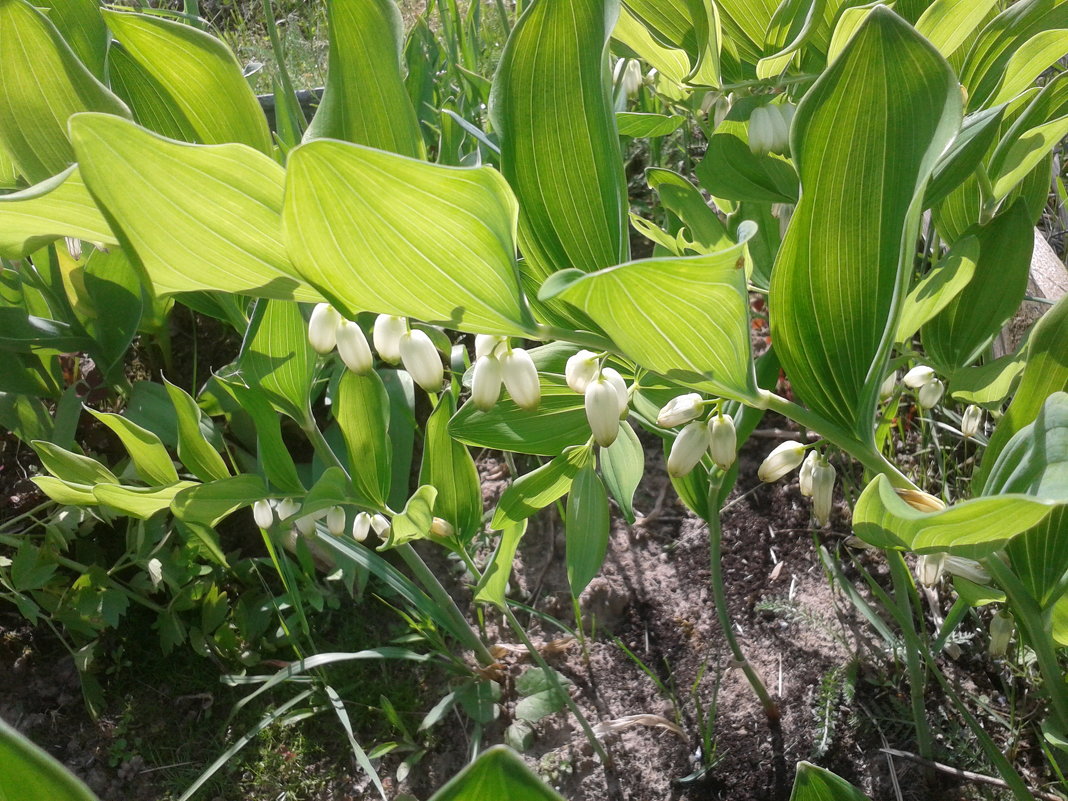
[719, 597]
[1033, 627]
[550, 674]
[836, 435]
[588, 339]
[914, 650]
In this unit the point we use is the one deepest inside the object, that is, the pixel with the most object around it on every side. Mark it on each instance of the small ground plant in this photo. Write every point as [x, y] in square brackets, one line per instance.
[441, 258]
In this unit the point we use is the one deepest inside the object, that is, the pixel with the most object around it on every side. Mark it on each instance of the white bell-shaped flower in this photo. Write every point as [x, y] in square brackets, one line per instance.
[918, 376]
[781, 461]
[287, 507]
[886, 389]
[930, 394]
[602, 410]
[335, 521]
[804, 475]
[613, 377]
[631, 76]
[970, 421]
[380, 524]
[580, 370]
[322, 327]
[687, 449]
[486, 382]
[723, 440]
[440, 527]
[361, 526]
[489, 345]
[680, 410]
[1001, 627]
[263, 513]
[929, 568]
[420, 358]
[823, 474]
[306, 523]
[520, 376]
[353, 348]
[386, 335]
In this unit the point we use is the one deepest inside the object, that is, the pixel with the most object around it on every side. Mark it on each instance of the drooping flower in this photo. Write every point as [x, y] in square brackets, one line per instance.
[322, 327]
[918, 376]
[723, 440]
[1001, 627]
[929, 568]
[632, 76]
[263, 513]
[520, 376]
[689, 446]
[823, 475]
[804, 475]
[602, 410]
[439, 527]
[930, 394]
[287, 507]
[580, 370]
[386, 335]
[612, 376]
[353, 348]
[335, 521]
[970, 421]
[781, 461]
[489, 345]
[420, 358]
[361, 526]
[486, 382]
[679, 410]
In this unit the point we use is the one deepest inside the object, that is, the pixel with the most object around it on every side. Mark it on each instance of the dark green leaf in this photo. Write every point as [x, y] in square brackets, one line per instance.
[622, 468]
[494, 584]
[449, 468]
[30, 772]
[586, 529]
[812, 783]
[277, 357]
[362, 410]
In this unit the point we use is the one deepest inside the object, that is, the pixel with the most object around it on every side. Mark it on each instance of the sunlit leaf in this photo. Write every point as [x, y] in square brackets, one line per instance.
[497, 773]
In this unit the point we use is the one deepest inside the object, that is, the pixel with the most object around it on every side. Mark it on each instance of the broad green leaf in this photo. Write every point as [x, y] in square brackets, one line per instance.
[539, 488]
[963, 329]
[277, 357]
[413, 523]
[989, 384]
[958, 163]
[497, 773]
[332, 488]
[1038, 53]
[586, 530]
[559, 149]
[402, 424]
[972, 529]
[990, 54]
[845, 260]
[66, 493]
[730, 170]
[1046, 372]
[684, 318]
[494, 583]
[540, 696]
[1035, 460]
[271, 450]
[849, 22]
[199, 73]
[29, 772]
[1039, 557]
[148, 454]
[365, 100]
[222, 205]
[197, 454]
[948, 24]
[82, 25]
[938, 288]
[209, 503]
[685, 201]
[1010, 166]
[139, 502]
[362, 409]
[149, 405]
[113, 287]
[148, 99]
[383, 233]
[813, 783]
[43, 84]
[670, 62]
[745, 22]
[72, 467]
[691, 26]
[21, 332]
[449, 468]
[637, 124]
[622, 468]
[25, 416]
[978, 594]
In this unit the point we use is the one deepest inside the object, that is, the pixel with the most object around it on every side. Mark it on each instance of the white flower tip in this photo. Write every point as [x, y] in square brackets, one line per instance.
[322, 328]
[520, 376]
[263, 514]
[784, 458]
[420, 358]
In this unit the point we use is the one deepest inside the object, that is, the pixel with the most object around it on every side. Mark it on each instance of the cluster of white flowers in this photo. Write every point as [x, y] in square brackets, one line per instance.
[496, 363]
[715, 436]
[605, 393]
[267, 512]
[815, 480]
[928, 387]
[769, 128]
[394, 340]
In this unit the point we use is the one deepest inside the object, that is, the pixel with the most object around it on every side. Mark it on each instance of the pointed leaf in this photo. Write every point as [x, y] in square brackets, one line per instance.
[378, 232]
[849, 249]
[148, 99]
[222, 206]
[671, 62]
[494, 583]
[209, 503]
[449, 468]
[139, 502]
[586, 530]
[72, 467]
[146, 451]
[361, 407]
[539, 488]
[939, 287]
[30, 772]
[948, 24]
[813, 783]
[1035, 460]
[413, 523]
[623, 467]
[277, 357]
[82, 25]
[497, 773]
[194, 451]
[365, 100]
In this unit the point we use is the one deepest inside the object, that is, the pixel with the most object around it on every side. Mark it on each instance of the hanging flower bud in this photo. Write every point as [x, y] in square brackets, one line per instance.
[263, 514]
[781, 461]
[689, 446]
[929, 568]
[970, 421]
[353, 348]
[680, 410]
[420, 358]
[723, 440]
[361, 526]
[804, 476]
[486, 382]
[616, 380]
[930, 394]
[602, 410]
[387, 333]
[306, 524]
[886, 389]
[761, 130]
[918, 376]
[580, 370]
[440, 527]
[380, 523]
[780, 126]
[322, 327]
[967, 569]
[823, 474]
[521, 378]
[335, 521]
[632, 76]
[921, 501]
[287, 507]
[1001, 626]
[488, 345]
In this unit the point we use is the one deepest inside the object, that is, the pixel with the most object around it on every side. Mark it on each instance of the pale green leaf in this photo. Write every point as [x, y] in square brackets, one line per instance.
[365, 100]
[194, 451]
[1038, 53]
[971, 529]
[1025, 153]
[278, 358]
[65, 492]
[813, 783]
[623, 467]
[1035, 460]
[948, 24]
[148, 454]
[147, 98]
[43, 84]
[637, 124]
[378, 232]
[211, 502]
[139, 502]
[941, 285]
[684, 200]
[848, 253]
[72, 467]
[1039, 557]
[670, 62]
[222, 205]
[691, 26]
[789, 28]
[586, 531]
[449, 468]
[498, 773]
[361, 407]
[58, 206]
[539, 488]
[989, 384]
[199, 73]
[685, 318]
[82, 25]
[413, 523]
